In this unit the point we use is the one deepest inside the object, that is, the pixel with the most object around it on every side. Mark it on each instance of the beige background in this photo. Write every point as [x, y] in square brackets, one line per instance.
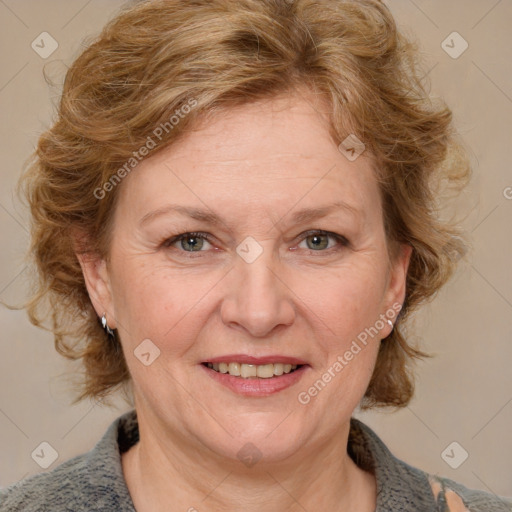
[464, 394]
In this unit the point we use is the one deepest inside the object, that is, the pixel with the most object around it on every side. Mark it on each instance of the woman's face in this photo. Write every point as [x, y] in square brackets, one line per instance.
[260, 182]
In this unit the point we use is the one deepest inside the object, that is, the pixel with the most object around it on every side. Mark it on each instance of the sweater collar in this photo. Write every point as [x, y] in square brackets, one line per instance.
[399, 486]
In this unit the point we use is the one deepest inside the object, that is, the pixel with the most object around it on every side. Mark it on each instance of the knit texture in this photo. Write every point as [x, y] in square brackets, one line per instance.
[94, 482]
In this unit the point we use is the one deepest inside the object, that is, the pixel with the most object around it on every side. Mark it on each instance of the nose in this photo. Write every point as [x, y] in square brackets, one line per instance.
[258, 300]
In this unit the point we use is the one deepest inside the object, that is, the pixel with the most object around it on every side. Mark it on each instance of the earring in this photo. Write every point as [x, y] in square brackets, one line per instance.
[105, 326]
[390, 324]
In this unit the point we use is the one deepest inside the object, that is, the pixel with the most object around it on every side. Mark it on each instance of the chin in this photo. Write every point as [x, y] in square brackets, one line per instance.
[257, 439]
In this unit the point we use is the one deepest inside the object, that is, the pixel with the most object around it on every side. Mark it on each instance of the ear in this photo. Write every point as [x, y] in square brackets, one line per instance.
[396, 287]
[97, 280]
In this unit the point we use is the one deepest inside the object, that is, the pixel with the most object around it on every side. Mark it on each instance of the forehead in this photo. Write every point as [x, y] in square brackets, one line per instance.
[258, 155]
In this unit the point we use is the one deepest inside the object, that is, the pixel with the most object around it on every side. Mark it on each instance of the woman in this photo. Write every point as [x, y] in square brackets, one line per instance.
[241, 191]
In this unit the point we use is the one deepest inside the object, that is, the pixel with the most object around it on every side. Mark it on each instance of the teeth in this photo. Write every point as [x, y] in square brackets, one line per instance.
[246, 371]
[234, 369]
[265, 371]
[278, 369]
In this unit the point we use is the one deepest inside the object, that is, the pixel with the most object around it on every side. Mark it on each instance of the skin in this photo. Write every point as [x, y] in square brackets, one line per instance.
[254, 166]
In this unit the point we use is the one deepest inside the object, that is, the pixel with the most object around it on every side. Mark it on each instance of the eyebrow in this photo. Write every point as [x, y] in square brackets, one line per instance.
[208, 216]
[308, 214]
[194, 213]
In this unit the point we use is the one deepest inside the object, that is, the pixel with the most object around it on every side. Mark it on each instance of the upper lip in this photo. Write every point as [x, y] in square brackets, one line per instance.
[246, 359]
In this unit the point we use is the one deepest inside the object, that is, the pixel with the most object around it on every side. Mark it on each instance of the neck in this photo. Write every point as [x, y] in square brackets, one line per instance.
[165, 471]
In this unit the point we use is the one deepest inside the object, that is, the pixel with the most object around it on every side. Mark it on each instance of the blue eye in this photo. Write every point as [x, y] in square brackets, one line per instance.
[189, 242]
[318, 240]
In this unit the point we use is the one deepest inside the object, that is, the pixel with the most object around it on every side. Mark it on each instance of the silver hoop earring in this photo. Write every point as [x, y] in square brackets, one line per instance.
[105, 326]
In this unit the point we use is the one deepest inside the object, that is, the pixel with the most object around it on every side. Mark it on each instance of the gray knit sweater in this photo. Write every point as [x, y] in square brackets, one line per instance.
[94, 481]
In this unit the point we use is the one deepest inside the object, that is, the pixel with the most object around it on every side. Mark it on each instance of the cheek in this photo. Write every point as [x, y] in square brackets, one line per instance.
[347, 300]
[348, 305]
[153, 302]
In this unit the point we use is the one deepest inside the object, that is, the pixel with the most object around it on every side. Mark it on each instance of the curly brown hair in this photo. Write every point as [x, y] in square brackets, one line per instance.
[156, 55]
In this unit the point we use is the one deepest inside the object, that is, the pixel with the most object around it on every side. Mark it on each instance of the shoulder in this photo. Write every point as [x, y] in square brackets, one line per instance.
[454, 497]
[55, 490]
[92, 481]
[404, 487]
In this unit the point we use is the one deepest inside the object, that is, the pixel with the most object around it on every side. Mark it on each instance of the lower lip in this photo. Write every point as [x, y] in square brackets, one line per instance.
[256, 386]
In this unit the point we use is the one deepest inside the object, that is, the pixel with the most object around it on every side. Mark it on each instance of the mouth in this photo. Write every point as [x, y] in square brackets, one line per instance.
[255, 376]
[248, 371]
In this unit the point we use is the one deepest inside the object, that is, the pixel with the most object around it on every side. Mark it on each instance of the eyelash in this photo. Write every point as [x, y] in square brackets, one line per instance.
[167, 243]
